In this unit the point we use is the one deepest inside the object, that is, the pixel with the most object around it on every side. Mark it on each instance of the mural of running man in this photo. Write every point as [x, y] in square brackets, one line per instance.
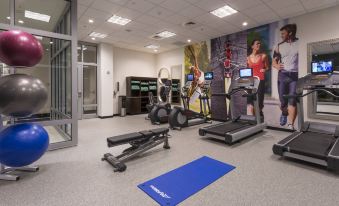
[285, 60]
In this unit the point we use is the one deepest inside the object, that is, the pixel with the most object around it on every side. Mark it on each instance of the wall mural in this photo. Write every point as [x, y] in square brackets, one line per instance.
[196, 62]
[271, 50]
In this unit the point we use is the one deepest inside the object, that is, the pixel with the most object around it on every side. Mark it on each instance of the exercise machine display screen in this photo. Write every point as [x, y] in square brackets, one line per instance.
[322, 67]
[190, 77]
[244, 73]
[208, 75]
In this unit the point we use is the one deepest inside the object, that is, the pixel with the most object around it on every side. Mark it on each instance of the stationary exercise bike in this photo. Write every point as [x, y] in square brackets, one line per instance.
[160, 111]
[183, 116]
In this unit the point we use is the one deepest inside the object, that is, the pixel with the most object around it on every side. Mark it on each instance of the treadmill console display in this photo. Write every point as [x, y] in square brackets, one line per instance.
[190, 77]
[245, 73]
[322, 67]
[208, 75]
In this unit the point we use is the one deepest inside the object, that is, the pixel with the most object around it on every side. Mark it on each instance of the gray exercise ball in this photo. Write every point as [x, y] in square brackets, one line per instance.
[21, 95]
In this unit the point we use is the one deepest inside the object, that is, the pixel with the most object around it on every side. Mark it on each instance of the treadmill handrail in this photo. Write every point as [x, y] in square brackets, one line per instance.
[313, 90]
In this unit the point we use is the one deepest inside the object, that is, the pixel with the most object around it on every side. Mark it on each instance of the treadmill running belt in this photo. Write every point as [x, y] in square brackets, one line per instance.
[312, 144]
[224, 128]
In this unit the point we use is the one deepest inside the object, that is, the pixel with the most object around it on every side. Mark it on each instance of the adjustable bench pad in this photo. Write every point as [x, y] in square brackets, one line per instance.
[130, 137]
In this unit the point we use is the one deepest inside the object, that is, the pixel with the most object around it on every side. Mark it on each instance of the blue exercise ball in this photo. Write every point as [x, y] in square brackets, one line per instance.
[22, 144]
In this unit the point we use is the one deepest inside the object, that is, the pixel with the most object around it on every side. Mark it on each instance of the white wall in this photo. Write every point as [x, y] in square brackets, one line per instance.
[130, 63]
[171, 58]
[105, 80]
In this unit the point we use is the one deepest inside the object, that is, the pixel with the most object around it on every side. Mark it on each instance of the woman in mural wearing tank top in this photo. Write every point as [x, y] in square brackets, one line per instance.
[258, 61]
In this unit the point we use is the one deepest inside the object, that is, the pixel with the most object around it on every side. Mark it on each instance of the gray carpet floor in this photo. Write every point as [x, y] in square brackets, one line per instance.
[77, 176]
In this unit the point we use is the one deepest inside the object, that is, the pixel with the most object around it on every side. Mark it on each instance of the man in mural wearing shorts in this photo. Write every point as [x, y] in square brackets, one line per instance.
[285, 60]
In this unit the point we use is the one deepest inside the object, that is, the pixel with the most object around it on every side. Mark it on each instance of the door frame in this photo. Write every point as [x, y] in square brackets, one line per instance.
[80, 92]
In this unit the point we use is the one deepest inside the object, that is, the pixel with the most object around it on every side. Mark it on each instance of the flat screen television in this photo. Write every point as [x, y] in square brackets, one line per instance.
[190, 77]
[322, 67]
[245, 73]
[208, 75]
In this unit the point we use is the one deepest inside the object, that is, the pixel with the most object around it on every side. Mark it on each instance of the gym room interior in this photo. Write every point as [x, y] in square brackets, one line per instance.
[169, 102]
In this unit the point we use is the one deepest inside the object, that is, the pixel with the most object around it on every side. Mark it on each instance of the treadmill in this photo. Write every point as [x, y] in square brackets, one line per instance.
[313, 142]
[238, 127]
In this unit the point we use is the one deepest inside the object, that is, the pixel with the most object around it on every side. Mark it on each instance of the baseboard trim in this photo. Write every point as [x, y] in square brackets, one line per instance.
[105, 117]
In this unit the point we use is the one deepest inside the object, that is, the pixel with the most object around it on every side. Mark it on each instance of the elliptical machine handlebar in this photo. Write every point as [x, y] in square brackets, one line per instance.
[228, 95]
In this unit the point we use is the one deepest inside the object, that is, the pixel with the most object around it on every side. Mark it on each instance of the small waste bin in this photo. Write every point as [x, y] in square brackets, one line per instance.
[122, 106]
[123, 112]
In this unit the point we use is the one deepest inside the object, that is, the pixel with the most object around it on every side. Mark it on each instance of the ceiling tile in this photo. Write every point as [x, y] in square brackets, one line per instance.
[266, 17]
[256, 10]
[128, 13]
[120, 2]
[177, 19]
[316, 4]
[192, 12]
[175, 5]
[81, 10]
[156, 1]
[160, 12]
[85, 2]
[104, 5]
[146, 19]
[291, 10]
[238, 18]
[240, 5]
[97, 14]
[140, 5]
[210, 5]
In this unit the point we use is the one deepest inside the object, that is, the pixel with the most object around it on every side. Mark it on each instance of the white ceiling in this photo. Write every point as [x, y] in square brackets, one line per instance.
[152, 16]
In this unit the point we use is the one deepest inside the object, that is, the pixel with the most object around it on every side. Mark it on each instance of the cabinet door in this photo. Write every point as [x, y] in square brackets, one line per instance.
[133, 105]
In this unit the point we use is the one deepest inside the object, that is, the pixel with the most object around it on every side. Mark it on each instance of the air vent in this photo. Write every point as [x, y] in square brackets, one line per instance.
[190, 25]
[179, 43]
[156, 37]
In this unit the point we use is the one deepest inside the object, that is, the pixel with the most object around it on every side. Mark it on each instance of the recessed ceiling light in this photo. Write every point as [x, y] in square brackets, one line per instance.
[8, 17]
[152, 46]
[189, 41]
[224, 11]
[245, 23]
[166, 34]
[97, 35]
[119, 20]
[155, 50]
[37, 16]
[93, 38]
[91, 21]
[20, 21]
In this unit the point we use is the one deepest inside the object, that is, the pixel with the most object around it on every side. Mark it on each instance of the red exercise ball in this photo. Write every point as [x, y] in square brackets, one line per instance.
[19, 49]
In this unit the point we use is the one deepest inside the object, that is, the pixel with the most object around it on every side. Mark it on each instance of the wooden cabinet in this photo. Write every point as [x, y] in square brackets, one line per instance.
[137, 89]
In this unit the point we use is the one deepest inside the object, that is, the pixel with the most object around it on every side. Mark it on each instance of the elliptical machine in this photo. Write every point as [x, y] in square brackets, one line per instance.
[160, 111]
[184, 117]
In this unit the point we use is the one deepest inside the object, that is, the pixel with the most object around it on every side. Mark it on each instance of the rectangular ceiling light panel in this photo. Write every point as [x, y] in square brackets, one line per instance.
[119, 20]
[97, 35]
[166, 34]
[37, 16]
[224, 11]
[152, 46]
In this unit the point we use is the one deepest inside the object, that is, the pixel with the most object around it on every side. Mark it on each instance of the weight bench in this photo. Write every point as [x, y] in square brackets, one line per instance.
[139, 141]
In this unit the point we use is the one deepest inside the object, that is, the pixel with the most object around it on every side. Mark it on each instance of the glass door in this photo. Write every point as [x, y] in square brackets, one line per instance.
[87, 91]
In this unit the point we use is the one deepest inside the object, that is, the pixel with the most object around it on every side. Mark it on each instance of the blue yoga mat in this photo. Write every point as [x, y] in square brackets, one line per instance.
[177, 185]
